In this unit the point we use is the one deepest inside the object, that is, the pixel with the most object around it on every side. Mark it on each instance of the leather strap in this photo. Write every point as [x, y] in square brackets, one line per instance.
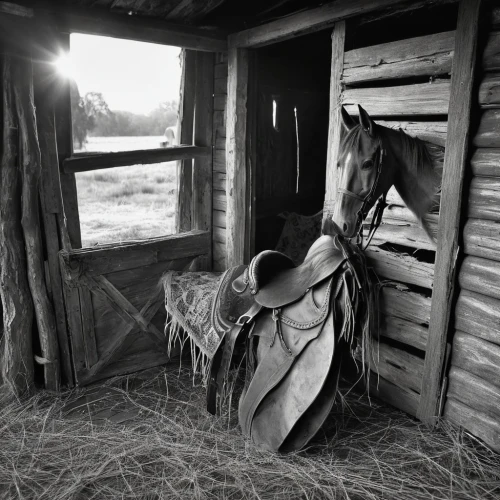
[221, 362]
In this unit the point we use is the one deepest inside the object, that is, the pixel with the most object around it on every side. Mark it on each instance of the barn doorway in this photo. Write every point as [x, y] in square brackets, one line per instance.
[292, 107]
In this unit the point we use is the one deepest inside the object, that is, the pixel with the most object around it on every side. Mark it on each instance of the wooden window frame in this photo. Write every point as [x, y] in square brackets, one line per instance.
[194, 210]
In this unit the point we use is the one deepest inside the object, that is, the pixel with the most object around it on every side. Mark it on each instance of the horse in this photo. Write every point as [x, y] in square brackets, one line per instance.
[298, 322]
[372, 159]
[169, 135]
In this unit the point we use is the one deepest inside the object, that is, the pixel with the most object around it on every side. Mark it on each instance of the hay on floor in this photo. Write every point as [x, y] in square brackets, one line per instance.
[149, 436]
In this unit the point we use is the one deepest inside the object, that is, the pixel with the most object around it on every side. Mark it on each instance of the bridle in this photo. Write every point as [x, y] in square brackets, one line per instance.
[366, 201]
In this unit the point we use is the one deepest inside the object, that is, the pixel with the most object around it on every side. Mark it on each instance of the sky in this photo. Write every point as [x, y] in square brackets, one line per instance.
[132, 76]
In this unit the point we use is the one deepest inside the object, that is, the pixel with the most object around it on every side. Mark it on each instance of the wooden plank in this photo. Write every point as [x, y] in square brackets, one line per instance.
[425, 55]
[481, 276]
[16, 358]
[405, 400]
[85, 162]
[113, 258]
[239, 205]
[88, 332]
[396, 214]
[489, 91]
[478, 315]
[400, 267]
[219, 200]
[64, 136]
[485, 162]
[219, 256]
[462, 84]
[406, 305]
[310, 21]
[202, 178]
[399, 367]
[335, 119]
[406, 100]
[482, 238]
[220, 181]
[185, 134]
[491, 54]
[484, 198]
[474, 391]
[51, 196]
[220, 160]
[30, 164]
[433, 132]
[220, 72]
[158, 31]
[404, 331]
[488, 131]
[219, 218]
[220, 236]
[476, 356]
[477, 423]
[401, 233]
[122, 341]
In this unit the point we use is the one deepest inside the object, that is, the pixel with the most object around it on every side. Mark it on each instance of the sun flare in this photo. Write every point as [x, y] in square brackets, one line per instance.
[64, 66]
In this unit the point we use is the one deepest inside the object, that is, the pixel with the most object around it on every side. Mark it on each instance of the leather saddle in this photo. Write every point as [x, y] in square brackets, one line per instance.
[290, 318]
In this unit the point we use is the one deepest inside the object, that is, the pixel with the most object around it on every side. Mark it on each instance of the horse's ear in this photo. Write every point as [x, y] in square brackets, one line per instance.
[347, 120]
[366, 122]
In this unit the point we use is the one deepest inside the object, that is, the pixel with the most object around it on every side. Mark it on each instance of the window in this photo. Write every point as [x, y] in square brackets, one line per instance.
[124, 112]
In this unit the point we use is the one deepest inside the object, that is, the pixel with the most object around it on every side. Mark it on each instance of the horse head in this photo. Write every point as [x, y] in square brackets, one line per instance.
[363, 173]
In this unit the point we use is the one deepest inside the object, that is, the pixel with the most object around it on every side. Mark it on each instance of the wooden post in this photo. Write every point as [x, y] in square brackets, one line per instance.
[457, 142]
[334, 127]
[16, 360]
[64, 131]
[30, 160]
[202, 178]
[185, 135]
[238, 177]
[50, 191]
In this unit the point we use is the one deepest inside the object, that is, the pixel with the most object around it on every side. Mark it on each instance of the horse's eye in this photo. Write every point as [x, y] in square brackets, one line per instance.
[367, 164]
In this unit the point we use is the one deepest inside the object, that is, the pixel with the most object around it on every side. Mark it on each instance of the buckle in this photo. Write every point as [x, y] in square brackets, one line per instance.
[240, 322]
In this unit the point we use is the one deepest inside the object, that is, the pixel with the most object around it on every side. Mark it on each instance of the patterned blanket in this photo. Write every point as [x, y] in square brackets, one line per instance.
[190, 297]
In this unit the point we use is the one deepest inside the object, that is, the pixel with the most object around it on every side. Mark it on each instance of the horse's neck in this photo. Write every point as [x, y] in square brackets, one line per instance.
[417, 184]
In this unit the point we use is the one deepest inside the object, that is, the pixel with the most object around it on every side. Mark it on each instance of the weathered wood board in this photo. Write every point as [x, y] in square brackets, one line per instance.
[482, 238]
[481, 276]
[478, 315]
[426, 55]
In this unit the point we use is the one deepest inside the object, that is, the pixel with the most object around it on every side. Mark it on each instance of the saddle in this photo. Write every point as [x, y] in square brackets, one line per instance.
[292, 319]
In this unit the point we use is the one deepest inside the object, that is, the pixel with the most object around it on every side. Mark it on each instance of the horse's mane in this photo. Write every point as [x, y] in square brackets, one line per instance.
[420, 188]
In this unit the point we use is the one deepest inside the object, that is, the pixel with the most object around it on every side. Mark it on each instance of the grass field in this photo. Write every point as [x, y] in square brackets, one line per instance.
[126, 203]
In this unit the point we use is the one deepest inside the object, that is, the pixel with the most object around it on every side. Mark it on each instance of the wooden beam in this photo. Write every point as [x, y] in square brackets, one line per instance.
[238, 199]
[312, 20]
[455, 163]
[202, 178]
[185, 136]
[113, 258]
[420, 99]
[424, 55]
[93, 161]
[139, 29]
[335, 120]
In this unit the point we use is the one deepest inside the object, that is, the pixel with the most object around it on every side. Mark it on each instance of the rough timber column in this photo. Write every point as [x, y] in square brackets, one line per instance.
[457, 141]
[238, 171]
[334, 132]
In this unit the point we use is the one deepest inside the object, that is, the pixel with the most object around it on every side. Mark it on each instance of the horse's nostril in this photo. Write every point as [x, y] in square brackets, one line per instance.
[345, 227]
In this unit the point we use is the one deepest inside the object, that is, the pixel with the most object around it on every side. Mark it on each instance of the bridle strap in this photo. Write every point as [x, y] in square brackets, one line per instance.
[379, 210]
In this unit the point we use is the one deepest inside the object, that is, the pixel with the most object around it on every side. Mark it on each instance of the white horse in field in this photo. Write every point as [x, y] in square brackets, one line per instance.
[169, 137]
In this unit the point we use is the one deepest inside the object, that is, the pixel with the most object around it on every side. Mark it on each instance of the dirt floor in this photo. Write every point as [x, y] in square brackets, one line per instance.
[148, 436]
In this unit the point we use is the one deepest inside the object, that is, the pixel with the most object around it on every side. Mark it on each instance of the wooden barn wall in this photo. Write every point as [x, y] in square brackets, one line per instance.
[402, 81]
[473, 394]
[219, 163]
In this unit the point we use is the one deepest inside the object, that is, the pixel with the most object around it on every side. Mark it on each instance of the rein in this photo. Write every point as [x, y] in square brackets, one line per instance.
[363, 212]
